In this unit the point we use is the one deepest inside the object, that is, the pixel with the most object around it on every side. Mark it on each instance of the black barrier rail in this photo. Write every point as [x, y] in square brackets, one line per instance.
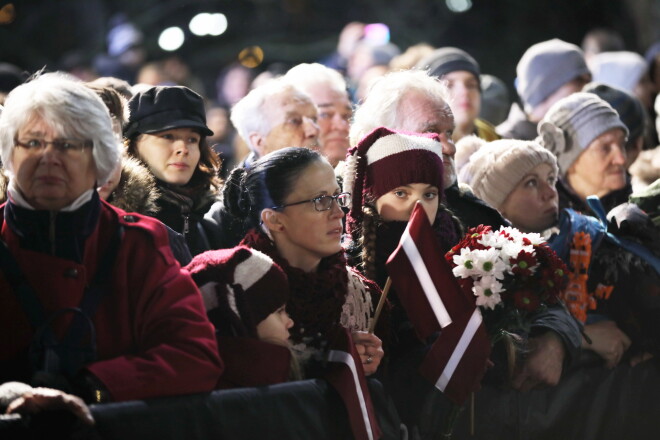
[308, 409]
[590, 403]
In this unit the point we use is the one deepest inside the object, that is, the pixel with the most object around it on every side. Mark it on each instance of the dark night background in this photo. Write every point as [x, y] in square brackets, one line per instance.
[495, 32]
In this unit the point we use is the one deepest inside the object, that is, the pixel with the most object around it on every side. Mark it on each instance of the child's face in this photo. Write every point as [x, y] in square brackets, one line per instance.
[275, 328]
[398, 204]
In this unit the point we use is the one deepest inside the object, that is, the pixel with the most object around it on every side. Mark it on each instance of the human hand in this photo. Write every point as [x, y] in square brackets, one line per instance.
[370, 349]
[49, 399]
[607, 340]
[639, 358]
[544, 362]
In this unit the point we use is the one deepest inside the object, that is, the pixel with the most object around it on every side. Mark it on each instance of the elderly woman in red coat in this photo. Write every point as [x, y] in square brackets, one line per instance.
[92, 301]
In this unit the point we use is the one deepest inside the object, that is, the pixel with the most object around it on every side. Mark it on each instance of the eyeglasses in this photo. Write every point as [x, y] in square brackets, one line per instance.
[323, 203]
[65, 146]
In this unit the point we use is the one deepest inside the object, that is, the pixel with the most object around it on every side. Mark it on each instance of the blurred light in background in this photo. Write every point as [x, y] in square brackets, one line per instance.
[459, 6]
[171, 39]
[7, 13]
[251, 56]
[377, 33]
[208, 24]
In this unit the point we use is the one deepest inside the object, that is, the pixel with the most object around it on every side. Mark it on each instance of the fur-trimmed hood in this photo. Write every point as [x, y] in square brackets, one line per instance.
[4, 183]
[137, 190]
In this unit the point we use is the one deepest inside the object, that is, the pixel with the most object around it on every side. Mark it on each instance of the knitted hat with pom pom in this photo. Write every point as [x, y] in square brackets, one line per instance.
[240, 286]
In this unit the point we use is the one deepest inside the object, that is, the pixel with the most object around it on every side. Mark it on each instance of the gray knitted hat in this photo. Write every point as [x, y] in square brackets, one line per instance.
[619, 69]
[449, 59]
[495, 169]
[572, 124]
[545, 67]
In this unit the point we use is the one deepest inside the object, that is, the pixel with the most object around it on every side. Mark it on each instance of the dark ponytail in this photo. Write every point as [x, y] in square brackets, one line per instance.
[267, 183]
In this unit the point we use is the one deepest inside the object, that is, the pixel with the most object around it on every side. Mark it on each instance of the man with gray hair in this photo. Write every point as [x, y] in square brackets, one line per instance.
[547, 72]
[328, 90]
[413, 101]
[273, 116]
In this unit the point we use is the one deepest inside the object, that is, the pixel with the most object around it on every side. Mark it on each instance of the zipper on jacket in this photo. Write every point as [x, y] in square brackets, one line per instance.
[51, 231]
[186, 225]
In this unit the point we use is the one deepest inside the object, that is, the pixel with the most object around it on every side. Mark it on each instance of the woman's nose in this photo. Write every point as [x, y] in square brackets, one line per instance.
[549, 191]
[181, 147]
[50, 154]
[619, 156]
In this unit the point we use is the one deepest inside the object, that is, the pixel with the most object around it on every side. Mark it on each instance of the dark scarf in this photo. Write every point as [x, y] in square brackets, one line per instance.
[568, 198]
[388, 235]
[316, 298]
[177, 202]
[58, 233]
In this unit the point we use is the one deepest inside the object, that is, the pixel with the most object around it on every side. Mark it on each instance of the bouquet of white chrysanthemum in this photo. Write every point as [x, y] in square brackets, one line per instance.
[512, 274]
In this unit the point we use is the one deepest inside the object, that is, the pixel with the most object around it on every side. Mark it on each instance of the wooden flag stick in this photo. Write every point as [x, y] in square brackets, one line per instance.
[472, 414]
[379, 308]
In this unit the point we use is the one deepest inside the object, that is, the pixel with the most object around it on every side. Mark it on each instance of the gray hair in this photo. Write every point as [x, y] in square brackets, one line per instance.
[70, 108]
[380, 107]
[247, 114]
[310, 76]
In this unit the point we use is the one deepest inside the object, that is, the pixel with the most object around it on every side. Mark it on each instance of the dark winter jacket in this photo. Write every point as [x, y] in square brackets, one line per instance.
[137, 192]
[569, 199]
[517, 126]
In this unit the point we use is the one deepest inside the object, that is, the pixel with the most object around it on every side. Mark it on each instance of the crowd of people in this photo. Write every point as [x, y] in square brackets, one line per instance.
[156, 244]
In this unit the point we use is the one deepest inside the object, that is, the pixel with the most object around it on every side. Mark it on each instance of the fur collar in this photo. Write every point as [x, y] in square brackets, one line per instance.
[137, 190]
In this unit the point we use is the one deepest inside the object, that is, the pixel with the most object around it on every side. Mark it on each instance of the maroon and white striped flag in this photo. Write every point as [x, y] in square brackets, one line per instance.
[457, 360]
[433, 300]
[346, 375]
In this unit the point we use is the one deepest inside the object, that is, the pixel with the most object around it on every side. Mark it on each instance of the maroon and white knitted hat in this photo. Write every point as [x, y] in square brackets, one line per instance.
[240, 285]
[385, 159]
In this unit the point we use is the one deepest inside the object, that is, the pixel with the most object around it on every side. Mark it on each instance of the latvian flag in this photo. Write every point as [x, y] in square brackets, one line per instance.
[433, 300]
[345, 374]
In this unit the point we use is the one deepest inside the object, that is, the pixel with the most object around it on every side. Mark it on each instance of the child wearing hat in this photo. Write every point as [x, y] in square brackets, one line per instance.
[166, 131]
[388, 172]
[245, 293]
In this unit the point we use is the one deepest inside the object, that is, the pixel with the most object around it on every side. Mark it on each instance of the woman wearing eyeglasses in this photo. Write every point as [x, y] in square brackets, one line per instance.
[288, 206]
[91, 299]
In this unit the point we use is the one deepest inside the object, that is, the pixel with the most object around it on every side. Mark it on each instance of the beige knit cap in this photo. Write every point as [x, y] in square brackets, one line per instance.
[497, 167]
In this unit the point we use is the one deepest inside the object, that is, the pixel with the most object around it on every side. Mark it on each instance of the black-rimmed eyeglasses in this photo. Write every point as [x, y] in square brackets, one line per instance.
[323, 203]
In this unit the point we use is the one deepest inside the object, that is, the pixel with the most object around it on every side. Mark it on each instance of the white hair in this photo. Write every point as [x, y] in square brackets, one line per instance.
[657, 112]
[310, 76]
[380, 107]
[248, 116]
[70, 108]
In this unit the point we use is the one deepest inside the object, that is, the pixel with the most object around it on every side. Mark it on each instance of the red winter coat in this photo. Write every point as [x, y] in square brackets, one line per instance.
[153, 337]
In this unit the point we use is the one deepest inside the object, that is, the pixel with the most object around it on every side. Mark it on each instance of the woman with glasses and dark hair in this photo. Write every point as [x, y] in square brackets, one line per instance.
[92, 301]
[288, 206]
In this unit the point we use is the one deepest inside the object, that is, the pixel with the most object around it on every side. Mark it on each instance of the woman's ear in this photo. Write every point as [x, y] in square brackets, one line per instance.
[271, 220]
